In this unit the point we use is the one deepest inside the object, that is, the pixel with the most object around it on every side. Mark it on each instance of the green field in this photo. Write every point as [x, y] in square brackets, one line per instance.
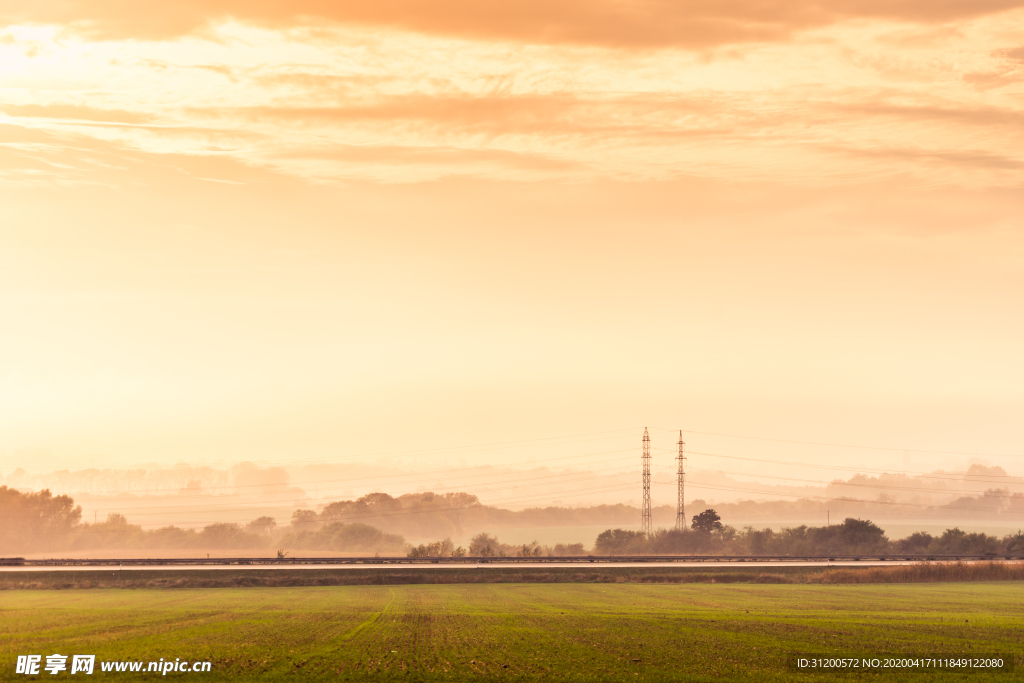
[625, 632]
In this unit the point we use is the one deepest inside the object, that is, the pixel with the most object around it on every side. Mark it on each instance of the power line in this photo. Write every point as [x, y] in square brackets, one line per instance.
[858, 470]
[417, 478]
[551, 441]
[398, 480]
[373, 515]
[546, 441]
[838, 500]
[876, 486]
[843, 445]
[243, 505]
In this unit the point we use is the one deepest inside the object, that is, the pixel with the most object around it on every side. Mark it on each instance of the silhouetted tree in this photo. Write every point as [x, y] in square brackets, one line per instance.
[261, 525]
[954, 541]
[36, 520]
[852, 536]
[305, 520]
[707, 521]
[916, 542]
[484, 545]
[1014, 542]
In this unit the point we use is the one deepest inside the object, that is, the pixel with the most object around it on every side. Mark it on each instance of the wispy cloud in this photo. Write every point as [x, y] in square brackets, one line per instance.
[400, 106]
[1015, 53]
[75, 112]
[641, 23]
[968, 158]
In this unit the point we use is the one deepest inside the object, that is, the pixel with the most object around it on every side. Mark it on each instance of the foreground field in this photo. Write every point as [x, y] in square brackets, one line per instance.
[514, 631]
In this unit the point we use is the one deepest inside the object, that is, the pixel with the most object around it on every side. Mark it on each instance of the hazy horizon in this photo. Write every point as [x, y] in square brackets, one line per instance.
[333, 234]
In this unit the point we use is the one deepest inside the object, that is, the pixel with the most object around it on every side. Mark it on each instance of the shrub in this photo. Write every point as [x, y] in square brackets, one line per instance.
[568, 550]
[620, 542]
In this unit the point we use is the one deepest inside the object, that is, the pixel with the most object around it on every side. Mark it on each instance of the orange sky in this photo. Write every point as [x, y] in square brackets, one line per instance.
[279, 231]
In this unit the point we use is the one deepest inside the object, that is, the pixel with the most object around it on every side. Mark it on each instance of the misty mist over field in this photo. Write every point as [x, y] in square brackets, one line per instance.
[180, 509]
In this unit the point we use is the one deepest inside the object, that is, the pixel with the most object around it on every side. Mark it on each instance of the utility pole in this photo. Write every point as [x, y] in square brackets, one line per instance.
[680, 483]
[645, 510]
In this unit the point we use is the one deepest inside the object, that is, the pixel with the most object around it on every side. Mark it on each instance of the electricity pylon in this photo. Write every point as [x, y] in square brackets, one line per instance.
[645, 510]
[680, 483]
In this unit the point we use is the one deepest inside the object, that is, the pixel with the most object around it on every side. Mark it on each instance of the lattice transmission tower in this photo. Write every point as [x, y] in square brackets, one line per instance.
[645, 510]
[680, 483]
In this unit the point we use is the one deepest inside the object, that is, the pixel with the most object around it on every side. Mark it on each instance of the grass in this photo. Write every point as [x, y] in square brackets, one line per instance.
[613, 631]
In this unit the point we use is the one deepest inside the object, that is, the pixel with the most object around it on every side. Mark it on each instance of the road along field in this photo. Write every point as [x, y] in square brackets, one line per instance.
[617, 631]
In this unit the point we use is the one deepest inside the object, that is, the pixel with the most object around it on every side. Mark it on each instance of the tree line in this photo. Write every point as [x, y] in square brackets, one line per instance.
[708, 536]
[40, 521]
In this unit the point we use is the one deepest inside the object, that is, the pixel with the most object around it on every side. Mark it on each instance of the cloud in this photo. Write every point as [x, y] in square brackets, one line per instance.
[966, 158]
[973, 116]
[539, 114]
[74, 112]
[35, 157]
[611, 23]
[440, 156]
[1016, 53]
[987, 80]
[323, 83]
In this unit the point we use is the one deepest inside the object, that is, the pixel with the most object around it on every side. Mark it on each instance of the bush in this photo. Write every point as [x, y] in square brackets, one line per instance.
[443, 548]
[568, 550]
[620, 542]
[485, 545]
